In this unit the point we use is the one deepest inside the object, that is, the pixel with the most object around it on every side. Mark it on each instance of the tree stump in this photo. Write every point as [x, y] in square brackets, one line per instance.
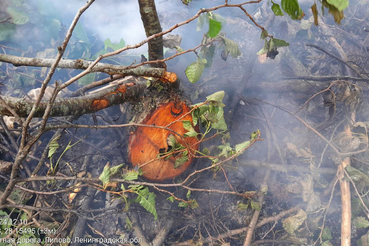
[149, 146]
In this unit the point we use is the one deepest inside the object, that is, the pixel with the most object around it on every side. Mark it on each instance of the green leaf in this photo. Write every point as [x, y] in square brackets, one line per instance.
[265, 48]
[271, 45]
[117, 46]
[337, 14]
[114, 170]
[242, 207]
[183, 204]
[326, 243]
[231, 47]
[203, 61]
[292, 223]
[361, 222]
[170, 199]
[135, 187]
[356, 206]
[201, 21]
[27, 80]
[18, 17]
[147, 200]
[187, 125]
[128, 224]
[205, 151]
[208, 53]
[358, 176]
[193, 204]
[53, 146]
[255, 135]
[107, 173]
[255, 206]
[105, 176]
[292, 8]
[131, 175]
[54, 28]
[80, 34]
[225, 150]
[197, 113]
[179, 49]
[364, 240]
[214, 28]
[242, 146]
[339, 4]
[6, 30]
[194, 71]
[87, 79]
[264, 34]
[191, 134]
[3, 213]
[216, 97]
[101, 52]
[279, 43]
[219, 18]
[326, 234]
[277, 9]
[220, 123]
[186, 2]
[180, 161]
[188, 195]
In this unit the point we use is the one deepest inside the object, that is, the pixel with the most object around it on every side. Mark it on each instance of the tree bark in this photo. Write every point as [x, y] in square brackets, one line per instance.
[152, 26]
[82, 64]
[118, 94]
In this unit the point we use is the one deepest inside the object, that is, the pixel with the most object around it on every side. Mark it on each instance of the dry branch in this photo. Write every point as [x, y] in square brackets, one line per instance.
[82, 64]
[234, 232]
[26, 143]
[77, 105]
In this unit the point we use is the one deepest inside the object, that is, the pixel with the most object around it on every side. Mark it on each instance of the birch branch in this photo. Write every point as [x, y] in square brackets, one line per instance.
[83, 65]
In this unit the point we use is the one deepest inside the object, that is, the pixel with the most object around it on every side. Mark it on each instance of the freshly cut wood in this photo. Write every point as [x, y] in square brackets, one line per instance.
[148, 145]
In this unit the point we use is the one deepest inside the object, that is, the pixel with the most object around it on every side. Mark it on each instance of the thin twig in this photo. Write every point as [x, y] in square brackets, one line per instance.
[234, 232]
[339, 59]
[25, 145]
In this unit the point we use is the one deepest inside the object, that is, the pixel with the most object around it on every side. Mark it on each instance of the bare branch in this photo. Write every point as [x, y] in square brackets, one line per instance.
[117, 94]
[25, 148]
[82, 64]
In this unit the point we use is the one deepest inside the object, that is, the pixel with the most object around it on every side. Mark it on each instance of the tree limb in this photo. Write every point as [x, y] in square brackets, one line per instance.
[82, 64]
[77, 105]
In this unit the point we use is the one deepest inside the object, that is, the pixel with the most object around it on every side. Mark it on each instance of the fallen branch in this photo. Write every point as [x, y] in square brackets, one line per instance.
[325, 78]
[339, 59]
[234, 232]
[26, 144]
[83, 65]
[76, 105]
